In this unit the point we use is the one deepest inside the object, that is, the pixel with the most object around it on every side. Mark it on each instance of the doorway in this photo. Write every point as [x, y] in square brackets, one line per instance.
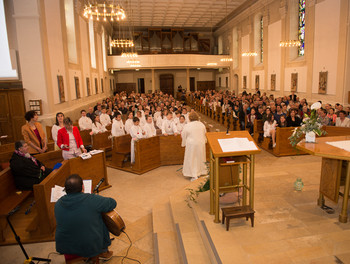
[166, 83]
[235, 83]
[141, 85]
[192, 84]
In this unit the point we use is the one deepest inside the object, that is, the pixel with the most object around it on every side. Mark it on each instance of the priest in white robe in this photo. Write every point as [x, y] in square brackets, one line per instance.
[193, 138]
[136, 133]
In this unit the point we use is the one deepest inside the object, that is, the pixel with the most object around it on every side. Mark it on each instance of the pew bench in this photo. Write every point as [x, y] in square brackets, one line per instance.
[121, 150]
[10, 198]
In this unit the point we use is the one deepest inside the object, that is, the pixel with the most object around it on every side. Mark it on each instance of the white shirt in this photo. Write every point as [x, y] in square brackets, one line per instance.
[268, 127]
[345, 123]
[180, 126]
[85, 123]
[149, 129]
[168, 127]
[98, 128]
[54, 132]
[156, 115]
[128, 124]
[136, 132]
[117, 128]
[159, 122]
[105, 119]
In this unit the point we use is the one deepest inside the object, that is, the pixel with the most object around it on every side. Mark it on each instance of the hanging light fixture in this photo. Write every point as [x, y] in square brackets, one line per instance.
[226, 59]
[104, 11]
[121, 43]
[249, 54]
[290, 43]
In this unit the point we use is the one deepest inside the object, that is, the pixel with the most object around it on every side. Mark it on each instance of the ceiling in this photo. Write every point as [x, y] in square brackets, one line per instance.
[180, 13]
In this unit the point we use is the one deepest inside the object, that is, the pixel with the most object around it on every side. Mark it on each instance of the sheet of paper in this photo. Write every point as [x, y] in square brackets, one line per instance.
[236, 144]
[344, 144]
[87, 186]
[56, 193]
[95, 151]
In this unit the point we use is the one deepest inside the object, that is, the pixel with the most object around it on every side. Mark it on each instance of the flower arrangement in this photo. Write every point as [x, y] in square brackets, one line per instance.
[311, 126]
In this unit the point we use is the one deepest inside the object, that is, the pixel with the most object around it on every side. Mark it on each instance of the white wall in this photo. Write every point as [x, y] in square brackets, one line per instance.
[302, 76]
[274, 54]
[326, 43]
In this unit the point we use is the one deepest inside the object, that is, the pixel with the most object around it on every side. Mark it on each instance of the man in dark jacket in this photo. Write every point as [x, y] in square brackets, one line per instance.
[80, 229]
[26, 169]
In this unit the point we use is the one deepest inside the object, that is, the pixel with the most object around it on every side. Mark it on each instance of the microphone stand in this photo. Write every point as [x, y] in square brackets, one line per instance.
[28, 260]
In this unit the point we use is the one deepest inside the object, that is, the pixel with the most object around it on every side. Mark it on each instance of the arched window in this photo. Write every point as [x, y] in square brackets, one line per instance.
[70, 27]
[301, 27]
[92, 43]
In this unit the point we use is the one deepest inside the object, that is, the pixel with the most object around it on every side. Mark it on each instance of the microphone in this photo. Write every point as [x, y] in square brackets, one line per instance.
[13, 211]
[98, 185]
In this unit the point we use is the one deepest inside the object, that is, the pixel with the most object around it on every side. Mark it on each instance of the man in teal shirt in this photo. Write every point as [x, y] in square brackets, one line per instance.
[80, 228]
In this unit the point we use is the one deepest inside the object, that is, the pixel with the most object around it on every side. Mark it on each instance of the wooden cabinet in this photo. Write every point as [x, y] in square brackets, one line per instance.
[205, 85]
[12, 113]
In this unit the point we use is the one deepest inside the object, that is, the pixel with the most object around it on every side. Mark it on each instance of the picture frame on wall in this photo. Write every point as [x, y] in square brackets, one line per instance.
[257, 82]
[88, 90]
[101, 85]
[96, 86]
[273, 82]
[60, 84]
[77, 88]
[322, 84]
[244, 82]
[110, 84]
[294, 82]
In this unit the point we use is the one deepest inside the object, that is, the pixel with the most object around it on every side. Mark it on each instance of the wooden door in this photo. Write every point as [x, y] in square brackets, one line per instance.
[12, 112]
[167, 83]
[192, 84]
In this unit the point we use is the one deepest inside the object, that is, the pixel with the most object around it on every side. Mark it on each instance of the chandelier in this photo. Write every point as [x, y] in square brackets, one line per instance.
[226, 59]
[121, 43]
[290, 43]
[129, 55]
[249, 54]
[104, 11]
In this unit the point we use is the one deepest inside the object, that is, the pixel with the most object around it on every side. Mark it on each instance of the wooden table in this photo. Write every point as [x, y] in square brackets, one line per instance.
[335, 163]
[216, 153]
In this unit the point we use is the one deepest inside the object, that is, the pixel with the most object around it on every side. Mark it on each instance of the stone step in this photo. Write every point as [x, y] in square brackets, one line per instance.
[165, 240]
[190, 242]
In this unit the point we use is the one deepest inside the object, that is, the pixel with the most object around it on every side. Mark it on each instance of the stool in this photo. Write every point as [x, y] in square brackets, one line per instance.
[236, 212]
[71, 259]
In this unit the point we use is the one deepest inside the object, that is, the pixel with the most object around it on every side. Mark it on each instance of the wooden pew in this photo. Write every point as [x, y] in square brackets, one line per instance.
[43, 226]
[333, 131]
[147, 154]
[102, 141]
[258, 131]
[50, 158]
[121, 150]
[9, 199]
[171, 152]
[86, 137]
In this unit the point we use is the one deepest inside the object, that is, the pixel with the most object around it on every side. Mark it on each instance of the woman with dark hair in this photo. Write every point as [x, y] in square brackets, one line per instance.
[33, 134]
[270, 129]
[26, 169]
[97, 127]
[69, 140]
[293, 120]
[57, 126]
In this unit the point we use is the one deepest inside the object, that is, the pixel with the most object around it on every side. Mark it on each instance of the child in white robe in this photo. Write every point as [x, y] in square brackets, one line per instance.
[136, 133]
[105, 120]
[97, 127]
[149, 127]
[85, 123]
[118, 126]
[168, 126]
[129, 122]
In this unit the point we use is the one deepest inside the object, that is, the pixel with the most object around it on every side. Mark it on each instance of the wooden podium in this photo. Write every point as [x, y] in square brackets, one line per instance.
[335, 170]
[243, 158]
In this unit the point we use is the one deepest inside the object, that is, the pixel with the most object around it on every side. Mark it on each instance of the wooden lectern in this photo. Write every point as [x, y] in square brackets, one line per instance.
[335, 166]
[243, 158]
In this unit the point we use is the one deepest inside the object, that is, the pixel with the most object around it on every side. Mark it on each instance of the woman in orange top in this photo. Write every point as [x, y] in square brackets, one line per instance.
[33, 134]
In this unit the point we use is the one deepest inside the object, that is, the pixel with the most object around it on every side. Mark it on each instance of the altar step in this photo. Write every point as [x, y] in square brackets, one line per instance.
[179, 235]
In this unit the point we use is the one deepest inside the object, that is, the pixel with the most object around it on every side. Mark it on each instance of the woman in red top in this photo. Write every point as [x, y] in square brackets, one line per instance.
[69, 140]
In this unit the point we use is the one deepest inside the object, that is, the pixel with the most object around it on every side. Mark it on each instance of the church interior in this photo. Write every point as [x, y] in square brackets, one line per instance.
[241, 66]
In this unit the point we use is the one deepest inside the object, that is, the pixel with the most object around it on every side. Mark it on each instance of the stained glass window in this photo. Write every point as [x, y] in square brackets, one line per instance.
[301, 27]
[261, 39]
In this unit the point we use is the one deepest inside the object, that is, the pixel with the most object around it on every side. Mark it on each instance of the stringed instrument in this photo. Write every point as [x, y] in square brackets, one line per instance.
[114, 222]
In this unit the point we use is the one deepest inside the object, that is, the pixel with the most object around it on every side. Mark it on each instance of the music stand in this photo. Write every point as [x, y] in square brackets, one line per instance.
[29, 260]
